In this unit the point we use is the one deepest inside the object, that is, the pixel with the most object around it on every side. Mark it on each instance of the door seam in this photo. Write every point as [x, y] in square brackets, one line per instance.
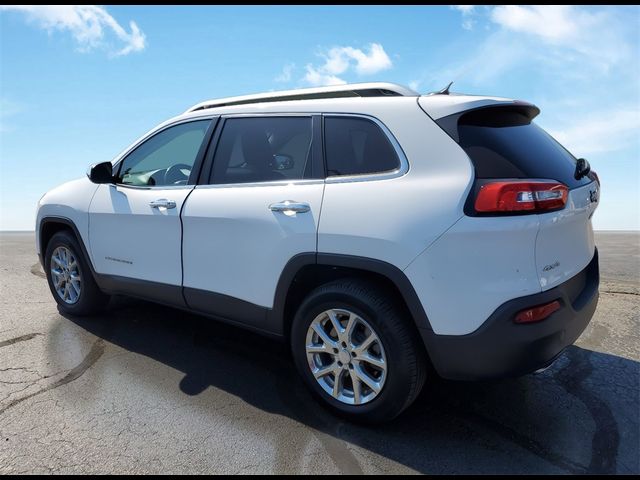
[184, 202]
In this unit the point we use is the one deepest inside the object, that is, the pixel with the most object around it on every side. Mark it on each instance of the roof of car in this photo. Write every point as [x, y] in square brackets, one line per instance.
[345, 97]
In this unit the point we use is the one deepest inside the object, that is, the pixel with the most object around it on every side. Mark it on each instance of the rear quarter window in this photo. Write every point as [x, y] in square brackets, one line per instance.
[357, 146]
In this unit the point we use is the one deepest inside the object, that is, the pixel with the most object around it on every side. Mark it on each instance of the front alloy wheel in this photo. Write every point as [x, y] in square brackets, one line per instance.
[346, 356]
[69, 276]
[65, 274]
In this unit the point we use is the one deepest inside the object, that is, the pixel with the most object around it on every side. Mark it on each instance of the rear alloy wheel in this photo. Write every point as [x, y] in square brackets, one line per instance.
[346, 356]
[357, 351]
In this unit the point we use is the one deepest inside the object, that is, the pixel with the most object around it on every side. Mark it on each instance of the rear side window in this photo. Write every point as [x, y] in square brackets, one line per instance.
[505, 143]
[263, 149]
[357, 146]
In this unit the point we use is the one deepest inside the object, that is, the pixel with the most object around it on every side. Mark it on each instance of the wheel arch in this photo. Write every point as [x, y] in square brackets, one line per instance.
[306, 271]
[51, 225]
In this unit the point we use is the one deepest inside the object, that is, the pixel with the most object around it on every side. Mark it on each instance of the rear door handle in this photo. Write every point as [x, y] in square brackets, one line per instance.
[290, 206]
[163, 202]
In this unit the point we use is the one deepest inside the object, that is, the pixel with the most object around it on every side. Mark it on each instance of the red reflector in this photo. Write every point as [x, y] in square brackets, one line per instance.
[521, 196]
[538, 313]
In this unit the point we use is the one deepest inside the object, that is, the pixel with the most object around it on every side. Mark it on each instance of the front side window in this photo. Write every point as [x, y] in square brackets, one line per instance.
[263, 149]
[357, 146]
[166, 158]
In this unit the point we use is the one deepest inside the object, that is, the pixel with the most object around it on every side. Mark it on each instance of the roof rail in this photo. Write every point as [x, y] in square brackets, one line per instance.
[373, 89]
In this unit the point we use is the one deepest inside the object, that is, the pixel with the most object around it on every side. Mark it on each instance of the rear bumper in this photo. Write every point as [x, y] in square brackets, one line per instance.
[502, 348]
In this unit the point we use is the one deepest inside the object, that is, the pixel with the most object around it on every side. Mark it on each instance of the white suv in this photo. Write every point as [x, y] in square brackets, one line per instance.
[382, 233]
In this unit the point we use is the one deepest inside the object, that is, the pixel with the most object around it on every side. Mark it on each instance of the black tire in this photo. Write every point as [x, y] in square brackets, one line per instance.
[91, 299]
[406, 358]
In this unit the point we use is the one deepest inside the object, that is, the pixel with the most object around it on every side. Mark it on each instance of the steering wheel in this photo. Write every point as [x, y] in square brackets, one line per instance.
[177, 174]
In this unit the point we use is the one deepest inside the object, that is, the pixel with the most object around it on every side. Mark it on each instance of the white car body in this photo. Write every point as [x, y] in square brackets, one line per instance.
[223, 239]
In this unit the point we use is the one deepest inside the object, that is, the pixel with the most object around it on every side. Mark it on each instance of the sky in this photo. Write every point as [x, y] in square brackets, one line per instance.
[79, 84]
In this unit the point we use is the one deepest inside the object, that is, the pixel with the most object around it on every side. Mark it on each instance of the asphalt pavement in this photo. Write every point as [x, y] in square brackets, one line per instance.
[149, 389]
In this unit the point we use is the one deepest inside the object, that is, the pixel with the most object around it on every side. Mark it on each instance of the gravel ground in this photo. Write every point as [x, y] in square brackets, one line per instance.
[148, 389]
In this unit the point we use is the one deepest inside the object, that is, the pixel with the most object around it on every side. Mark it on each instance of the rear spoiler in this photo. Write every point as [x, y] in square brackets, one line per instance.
[450, 123]
[440, 106]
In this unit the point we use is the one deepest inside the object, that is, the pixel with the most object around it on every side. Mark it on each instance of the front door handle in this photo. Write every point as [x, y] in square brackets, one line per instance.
[290, 206]
[162, 203]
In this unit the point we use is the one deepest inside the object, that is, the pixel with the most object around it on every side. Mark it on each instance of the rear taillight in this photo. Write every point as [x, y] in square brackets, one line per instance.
[529, 196]
[538, 313]
[594, 176]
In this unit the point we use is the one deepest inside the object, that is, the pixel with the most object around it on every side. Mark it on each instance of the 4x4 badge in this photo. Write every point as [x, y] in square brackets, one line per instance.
[593, 196]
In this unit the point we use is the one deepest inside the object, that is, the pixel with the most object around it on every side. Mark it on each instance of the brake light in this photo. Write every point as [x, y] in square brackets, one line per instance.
[521, 196]
[594, 176]
[538, 313]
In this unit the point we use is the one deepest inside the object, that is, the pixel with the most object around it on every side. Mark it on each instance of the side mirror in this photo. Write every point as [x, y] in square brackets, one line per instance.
[101, 173]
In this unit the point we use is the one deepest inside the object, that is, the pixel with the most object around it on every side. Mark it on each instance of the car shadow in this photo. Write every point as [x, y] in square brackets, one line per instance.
[579, 416]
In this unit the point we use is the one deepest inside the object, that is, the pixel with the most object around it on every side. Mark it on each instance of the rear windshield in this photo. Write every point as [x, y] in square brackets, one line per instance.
[507, 144]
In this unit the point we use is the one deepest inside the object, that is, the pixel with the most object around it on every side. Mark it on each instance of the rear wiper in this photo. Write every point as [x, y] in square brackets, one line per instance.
[582, 168]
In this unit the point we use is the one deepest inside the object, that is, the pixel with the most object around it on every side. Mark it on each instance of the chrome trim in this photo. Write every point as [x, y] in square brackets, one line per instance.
[290, 206]
[402, 170]
[162, 203]
[152, 187]
[272, 183]
[269, 114]
[398, 172]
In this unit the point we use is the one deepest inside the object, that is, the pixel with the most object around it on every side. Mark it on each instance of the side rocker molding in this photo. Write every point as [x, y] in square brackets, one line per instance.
[170, 295]
[230, 308]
